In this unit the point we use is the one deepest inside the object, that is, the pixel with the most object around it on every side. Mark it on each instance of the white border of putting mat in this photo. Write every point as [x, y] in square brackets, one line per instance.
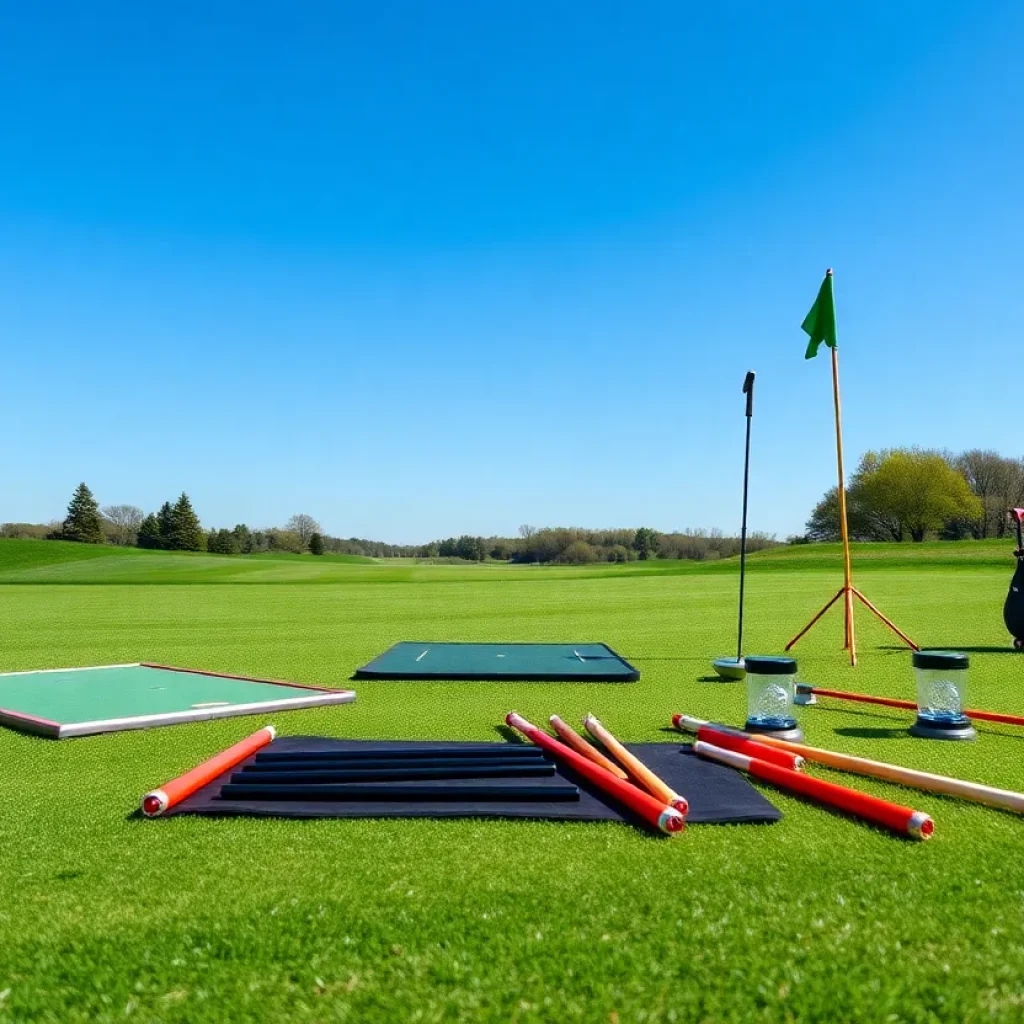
[319, 697]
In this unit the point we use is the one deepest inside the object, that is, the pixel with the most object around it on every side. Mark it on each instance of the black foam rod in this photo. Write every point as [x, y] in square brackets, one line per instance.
[368, 763]
[490, 750]
[402, 793]
[251, 776]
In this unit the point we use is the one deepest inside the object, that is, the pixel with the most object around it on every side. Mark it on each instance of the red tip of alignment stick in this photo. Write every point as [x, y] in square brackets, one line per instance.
[151, 806]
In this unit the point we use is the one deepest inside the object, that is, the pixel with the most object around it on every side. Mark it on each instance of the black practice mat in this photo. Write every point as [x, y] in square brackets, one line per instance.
[717, 794]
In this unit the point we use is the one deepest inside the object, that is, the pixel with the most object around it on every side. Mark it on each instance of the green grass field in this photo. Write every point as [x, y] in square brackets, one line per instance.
[105, 917]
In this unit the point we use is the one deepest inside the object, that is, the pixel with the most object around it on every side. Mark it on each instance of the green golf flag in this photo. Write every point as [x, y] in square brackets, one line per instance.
[820, 322]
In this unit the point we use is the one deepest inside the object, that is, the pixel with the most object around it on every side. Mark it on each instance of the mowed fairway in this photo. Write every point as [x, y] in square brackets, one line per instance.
[106, 917]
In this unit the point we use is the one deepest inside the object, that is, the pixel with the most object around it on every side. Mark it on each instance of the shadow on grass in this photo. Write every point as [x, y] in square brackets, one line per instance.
[865, 733]
[957, 647]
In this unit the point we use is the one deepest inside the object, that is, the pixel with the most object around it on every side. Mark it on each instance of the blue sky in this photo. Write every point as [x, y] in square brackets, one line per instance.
[422, 270]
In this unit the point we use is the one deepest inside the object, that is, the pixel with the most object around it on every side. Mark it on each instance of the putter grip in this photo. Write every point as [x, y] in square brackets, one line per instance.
[748, 390]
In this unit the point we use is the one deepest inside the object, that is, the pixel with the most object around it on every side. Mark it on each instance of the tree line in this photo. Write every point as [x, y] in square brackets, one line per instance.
[175, 526]
[910, 494]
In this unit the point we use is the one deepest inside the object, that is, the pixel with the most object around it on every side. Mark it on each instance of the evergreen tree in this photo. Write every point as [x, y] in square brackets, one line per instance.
[186, 533]
[165, 523]
[316, 544]
[149, 533]
[83, 520]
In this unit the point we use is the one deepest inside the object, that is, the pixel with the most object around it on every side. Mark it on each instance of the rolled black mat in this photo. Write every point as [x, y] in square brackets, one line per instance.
[716, 793]
[399, 792]
[483, 750]
[251, 777]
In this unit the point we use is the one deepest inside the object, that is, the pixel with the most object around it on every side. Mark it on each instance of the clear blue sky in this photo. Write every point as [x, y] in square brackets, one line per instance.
[429, 269]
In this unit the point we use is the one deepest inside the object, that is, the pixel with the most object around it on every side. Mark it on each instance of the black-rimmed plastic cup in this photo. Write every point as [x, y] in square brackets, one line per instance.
[941, 678]
[771, 683]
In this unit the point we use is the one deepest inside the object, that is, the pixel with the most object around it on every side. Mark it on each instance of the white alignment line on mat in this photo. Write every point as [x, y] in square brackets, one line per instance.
[580, 656]
[423, 655]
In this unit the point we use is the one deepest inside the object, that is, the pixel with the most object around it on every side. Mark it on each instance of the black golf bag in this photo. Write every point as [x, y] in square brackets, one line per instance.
[1013, 609]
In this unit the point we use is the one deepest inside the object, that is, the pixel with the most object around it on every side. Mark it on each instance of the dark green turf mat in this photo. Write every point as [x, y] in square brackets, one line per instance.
[567, 663]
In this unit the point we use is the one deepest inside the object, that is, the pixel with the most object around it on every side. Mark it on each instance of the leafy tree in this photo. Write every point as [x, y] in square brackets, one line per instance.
[316, 544]
[83, 519]
[305, 526]
[579, 552]
[124, 523]
[919, 490]
[645, 543]
[284, 540]
[165, 522]
[500, 549]
[998, 483]
[148, 535]
[473, 549]
[243, 538]
[186, 532]
[897, 494]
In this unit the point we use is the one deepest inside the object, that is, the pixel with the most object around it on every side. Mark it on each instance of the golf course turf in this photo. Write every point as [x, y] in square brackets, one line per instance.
[108, 917]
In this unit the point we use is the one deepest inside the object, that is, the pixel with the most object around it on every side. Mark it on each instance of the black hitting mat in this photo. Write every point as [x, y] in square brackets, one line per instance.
[717, 794]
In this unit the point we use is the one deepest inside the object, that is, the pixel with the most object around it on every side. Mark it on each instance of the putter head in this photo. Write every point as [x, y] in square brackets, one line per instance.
[730, 668]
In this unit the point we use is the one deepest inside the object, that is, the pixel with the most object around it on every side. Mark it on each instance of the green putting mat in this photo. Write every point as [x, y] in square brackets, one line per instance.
[568, 663]
[108, 698]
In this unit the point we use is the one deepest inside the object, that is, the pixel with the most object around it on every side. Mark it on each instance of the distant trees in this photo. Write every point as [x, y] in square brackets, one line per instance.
[165, 523]
[316, 544]
[186, 532]
[998, 483]
[123, 523]
[303, 525]
[82, 523]
[645, 543]
[174, 528]
[899, 494]
[222, 542]
[148, 535]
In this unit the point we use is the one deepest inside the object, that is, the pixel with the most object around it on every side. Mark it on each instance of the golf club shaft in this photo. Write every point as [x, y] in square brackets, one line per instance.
[748, 389]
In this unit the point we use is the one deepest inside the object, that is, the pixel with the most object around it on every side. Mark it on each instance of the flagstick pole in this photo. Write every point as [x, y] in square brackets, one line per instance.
[851, 643]
[848, 591]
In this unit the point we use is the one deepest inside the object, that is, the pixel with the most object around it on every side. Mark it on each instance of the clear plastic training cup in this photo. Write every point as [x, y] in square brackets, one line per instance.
[771, 683]
[941, 695]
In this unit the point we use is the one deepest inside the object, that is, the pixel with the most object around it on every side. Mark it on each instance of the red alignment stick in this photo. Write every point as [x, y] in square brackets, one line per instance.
[571, 737]
[741, 744]
[654, 812]
[892, 702]
[160, 800]
[915, 824]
